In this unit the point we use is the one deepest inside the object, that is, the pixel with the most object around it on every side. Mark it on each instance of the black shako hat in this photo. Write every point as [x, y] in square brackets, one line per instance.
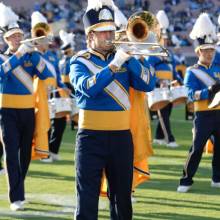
[99, 20]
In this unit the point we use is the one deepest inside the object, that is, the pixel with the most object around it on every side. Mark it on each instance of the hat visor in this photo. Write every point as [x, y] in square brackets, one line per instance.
[105, 28]
[13, 31]
[205, 46]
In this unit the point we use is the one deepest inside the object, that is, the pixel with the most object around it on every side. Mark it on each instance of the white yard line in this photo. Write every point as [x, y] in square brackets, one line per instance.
[65, 205]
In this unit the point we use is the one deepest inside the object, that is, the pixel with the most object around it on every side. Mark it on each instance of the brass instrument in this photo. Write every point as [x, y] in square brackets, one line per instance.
[143, 34]
[41, 29]
[42, 40]
[41, 35]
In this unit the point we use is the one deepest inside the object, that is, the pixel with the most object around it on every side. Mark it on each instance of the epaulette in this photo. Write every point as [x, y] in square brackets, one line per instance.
[83, 53]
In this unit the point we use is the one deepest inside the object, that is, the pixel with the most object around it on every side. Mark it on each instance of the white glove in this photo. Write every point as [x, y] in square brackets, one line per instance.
[120, 57]
[25, 48]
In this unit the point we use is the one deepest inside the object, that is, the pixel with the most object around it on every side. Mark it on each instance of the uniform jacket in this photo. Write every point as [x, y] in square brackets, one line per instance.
[53, 63]
[165, 67]
[64, 67]
[103, 96]
[16, 79]
[198, 78]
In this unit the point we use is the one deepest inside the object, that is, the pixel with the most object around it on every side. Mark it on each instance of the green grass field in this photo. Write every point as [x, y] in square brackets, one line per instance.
[50, 187]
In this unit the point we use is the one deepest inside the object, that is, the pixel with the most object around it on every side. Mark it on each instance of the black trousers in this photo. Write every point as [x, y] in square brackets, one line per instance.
[206, 124]
[1, 155]
[17, 127]
[165, 113]
[56, 131]
[96, 151]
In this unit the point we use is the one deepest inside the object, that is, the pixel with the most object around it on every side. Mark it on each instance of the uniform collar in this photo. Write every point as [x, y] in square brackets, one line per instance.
[203, 65]
[98, 54]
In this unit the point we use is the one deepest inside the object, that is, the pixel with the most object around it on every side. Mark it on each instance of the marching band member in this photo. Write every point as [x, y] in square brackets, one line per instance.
[67, 49]
[19, 65]
[40, 27]
[101, 78]
[181, 70]
[179, 61]
[166, 73]
[202, 81]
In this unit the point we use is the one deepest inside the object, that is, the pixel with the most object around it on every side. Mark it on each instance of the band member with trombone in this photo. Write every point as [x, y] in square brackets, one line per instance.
[19, 65]
[101, 78]
[202, 81]
[166, 74]
[40, 27]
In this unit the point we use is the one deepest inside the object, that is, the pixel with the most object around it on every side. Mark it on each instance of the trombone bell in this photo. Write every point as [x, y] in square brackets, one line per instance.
[141, 35]
[41, 29]
[140, 24]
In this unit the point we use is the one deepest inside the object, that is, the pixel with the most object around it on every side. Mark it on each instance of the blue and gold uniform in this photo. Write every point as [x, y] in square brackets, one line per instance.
[17, 114]
[16, 89]
[57, 124]
[206, 123]
[202, 82]
[64, 67]
[165, 73]
[93, 78]
[104, 140]
[52, 62]
[180, 64]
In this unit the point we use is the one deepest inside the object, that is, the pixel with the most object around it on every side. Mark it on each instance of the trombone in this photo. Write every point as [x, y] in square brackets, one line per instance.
[36, 41]
[143, 34]
[41, 35]
[150, 49]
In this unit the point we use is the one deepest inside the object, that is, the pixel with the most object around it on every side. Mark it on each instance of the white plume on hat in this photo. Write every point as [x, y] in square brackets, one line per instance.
[120, 19]
[175, 40]
[67, 38]
[97, 4]
[37, 18]
[203, 27]
[8, 17]
[162, 19]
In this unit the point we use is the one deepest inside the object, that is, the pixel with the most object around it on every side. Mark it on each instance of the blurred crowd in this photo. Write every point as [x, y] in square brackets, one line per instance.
[68, 14]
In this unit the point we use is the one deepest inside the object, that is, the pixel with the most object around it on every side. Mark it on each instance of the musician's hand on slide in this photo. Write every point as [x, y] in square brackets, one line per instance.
[121, 56]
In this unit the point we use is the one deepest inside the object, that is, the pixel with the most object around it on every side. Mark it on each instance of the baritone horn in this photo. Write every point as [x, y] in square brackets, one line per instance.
[142, 33]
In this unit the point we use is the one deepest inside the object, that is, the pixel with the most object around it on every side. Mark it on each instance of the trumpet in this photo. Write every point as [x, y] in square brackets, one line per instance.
[36, 41]
[143, 34]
